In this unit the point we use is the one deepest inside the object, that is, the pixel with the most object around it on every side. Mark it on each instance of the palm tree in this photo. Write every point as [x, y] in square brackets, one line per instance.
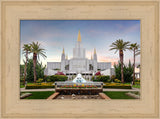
[37, 51]
[121, 46]
[135, 48]
[26, 51]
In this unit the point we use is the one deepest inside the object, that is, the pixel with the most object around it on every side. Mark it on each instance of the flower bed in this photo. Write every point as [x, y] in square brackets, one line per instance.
[40, 86]
[78, 86]
[117, 86]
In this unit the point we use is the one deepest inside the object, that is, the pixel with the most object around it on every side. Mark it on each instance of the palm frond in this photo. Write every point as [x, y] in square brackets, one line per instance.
[120, 45]
[35, 46]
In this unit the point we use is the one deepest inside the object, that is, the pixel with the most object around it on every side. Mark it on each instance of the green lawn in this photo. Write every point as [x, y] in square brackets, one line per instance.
[46, 94]
[39, 95]
[117, 95]
[22, 86]
[134, 86]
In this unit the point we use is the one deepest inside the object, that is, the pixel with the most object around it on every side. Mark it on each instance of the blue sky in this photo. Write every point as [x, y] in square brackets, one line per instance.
[56, 34]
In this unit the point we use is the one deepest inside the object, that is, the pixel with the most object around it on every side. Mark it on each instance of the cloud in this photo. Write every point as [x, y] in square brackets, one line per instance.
[113, 60]
[133, 28]
[54, 35]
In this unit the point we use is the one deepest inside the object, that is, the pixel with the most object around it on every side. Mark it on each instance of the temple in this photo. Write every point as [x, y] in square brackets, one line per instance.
[78, 63]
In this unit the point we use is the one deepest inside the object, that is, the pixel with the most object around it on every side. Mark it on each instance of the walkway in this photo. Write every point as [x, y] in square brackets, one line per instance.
[52, 89]
[133, 89]
[30, 90]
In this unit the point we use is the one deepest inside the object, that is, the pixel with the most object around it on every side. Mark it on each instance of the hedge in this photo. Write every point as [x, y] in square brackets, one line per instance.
[101, 78]
[38, 87]
[54, 78]
[118, 87]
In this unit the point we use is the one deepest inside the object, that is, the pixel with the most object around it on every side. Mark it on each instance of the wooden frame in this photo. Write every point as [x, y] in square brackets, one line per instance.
[13, 11]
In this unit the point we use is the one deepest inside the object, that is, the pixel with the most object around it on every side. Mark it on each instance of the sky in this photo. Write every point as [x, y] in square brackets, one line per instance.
[53, 35]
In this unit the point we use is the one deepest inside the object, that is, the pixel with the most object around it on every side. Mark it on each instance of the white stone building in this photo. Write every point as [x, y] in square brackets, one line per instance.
[78, 64]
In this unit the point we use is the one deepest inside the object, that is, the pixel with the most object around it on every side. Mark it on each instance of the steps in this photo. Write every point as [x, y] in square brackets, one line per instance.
[104, 96]
[54, 95]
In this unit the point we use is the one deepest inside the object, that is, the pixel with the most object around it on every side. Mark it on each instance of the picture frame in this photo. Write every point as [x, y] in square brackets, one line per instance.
[12, 11]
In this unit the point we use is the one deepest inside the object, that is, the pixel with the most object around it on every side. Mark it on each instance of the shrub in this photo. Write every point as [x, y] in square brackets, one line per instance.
[137, 83]
[46, 77]
[127, 72]
[22, 80]
[48, 80]
[98, 73]
[137, 80]
[113, 77]
[117, 86]
[39, 70]
[39, 80]
[40, 86]
[54, 78]
[96, 80]
[117, 81]
[102, 78]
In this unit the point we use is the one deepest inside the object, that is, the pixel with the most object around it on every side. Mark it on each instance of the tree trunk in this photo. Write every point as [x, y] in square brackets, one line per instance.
[25, 69]
[134, 67]
[34, 66]
[121, 60]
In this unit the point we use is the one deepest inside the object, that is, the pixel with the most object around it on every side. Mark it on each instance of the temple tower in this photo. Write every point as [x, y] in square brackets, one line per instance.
[95, 61]
[63, 61]
[79, 51]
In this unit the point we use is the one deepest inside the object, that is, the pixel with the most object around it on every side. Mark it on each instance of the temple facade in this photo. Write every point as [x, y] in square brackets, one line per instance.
[78, 63]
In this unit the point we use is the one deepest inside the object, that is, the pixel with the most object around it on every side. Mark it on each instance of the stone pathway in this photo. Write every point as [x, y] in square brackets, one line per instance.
[54, 95]
[52, 89]
[30, 90]
[104, 96]
[133, 89]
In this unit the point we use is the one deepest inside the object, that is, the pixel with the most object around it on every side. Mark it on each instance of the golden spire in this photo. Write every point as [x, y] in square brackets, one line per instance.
[63, 51]
[91, 57]
[94, 50]
[79, 36]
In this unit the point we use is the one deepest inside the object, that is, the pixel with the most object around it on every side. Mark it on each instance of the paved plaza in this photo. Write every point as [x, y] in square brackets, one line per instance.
[52, 89]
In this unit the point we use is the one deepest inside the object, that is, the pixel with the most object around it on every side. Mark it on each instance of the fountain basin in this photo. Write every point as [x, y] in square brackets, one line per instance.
[79, 86]
[70, 87]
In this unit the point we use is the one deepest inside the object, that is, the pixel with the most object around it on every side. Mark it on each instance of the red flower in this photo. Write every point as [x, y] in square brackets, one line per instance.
[98, 73]
[59, 73]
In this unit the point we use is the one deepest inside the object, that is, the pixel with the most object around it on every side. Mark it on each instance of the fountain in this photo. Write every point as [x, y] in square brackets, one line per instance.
[79, 79]
[78, 86]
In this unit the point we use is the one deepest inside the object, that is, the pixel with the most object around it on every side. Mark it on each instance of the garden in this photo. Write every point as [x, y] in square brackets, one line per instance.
[111, 94]
[32, 77]
[38, 94]
[107, 83]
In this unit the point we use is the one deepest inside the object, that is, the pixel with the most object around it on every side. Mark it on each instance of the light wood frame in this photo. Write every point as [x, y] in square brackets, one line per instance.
[12, 11]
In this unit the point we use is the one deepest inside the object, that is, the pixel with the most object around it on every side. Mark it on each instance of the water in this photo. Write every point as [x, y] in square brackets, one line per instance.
[79, 79]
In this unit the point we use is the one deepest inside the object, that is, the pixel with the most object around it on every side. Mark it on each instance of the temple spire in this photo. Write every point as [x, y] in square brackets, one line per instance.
[63, 51]
[94, 50]
[79, 36]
